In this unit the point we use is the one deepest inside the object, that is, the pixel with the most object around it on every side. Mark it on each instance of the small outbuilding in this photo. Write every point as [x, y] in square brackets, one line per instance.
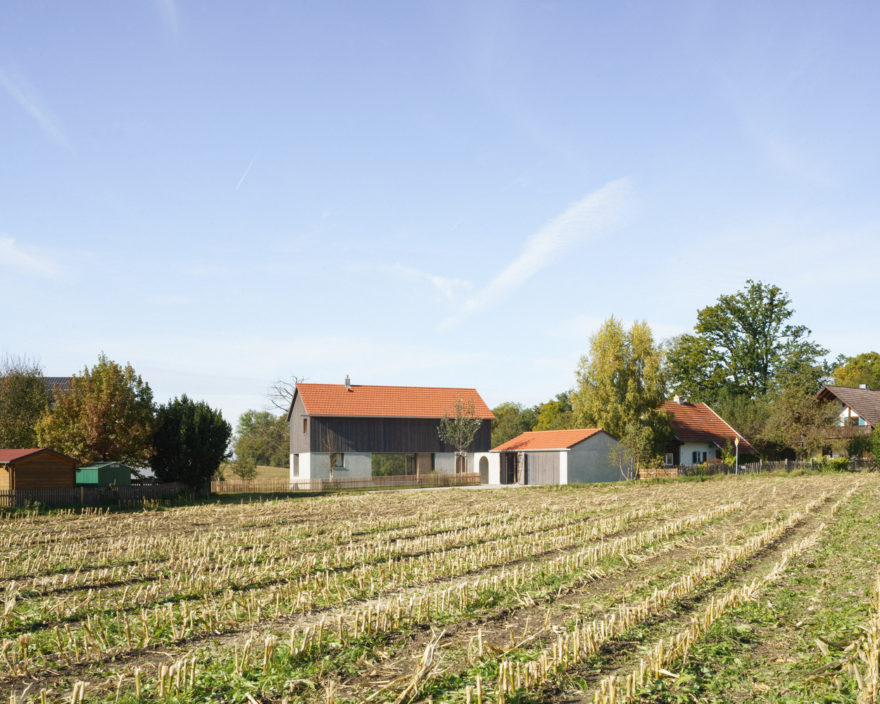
[104, 474]
[551, 457]
[36, 468]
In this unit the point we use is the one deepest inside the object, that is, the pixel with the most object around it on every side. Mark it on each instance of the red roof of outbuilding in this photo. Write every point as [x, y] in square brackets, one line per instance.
[547, 439]
[696, 422]
[388, 401]
[7, 455]
[11, 455]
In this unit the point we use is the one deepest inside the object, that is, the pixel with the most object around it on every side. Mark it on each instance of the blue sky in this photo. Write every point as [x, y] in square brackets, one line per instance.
[448, 193]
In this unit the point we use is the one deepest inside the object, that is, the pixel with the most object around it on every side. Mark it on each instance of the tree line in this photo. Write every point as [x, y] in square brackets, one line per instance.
[745, 357]
[107, 413]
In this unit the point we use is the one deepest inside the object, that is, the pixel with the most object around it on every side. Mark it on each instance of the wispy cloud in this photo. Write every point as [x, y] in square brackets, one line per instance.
[449, 288]
[169, 15]
[245, 174]
[29, 100]
[13, 257]
[584, 219]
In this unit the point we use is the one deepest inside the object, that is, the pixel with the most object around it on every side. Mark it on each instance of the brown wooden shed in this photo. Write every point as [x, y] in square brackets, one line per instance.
[36, 468]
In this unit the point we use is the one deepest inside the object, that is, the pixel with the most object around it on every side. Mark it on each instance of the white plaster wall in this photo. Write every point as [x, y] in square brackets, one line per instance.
[305, 466]
[687, 449]
[846, 413]
[494, 465]
[591, 461]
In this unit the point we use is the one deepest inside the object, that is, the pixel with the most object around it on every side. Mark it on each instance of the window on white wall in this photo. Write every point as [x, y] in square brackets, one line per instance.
[669, 459]
[296, 465]
[337, 460]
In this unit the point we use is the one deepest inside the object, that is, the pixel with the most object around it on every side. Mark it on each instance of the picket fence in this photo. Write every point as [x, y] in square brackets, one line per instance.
[92, 496]
[422, 481]
[700, 470]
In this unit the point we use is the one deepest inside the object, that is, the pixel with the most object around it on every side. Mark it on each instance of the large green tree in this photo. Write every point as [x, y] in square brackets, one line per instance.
[23, 399]
[107, 414]
[262, 438]
[511, 419]
[745, 344]
[190, 441]
[802, 423]
[621, 384]
[555, 414]
[854, 371]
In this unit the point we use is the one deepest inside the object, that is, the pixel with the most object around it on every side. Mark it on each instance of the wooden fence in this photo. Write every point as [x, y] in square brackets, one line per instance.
[419, 481]
[91, 496]
[705, 470]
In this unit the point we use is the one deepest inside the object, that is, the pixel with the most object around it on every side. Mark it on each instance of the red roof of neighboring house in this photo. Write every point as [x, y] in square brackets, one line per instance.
[548, 439]
[387, 401]
[696, 422]
[11, 455]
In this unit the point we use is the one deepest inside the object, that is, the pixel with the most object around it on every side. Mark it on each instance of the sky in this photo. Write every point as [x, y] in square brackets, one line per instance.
[224, 194]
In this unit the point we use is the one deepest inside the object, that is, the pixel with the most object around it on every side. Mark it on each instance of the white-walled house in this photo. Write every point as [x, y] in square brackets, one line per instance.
[551, 457]
[859, 408]
[392, 429]
[858, 414]
[700, 434]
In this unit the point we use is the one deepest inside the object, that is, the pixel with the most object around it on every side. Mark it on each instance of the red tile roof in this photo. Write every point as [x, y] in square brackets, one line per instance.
[7, 455]
[387, 401]
[547, 439]
[696, 422]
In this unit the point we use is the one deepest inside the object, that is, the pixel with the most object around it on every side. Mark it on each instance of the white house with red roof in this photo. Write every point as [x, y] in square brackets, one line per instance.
[553, 457]
[700, 434]
[350, 429]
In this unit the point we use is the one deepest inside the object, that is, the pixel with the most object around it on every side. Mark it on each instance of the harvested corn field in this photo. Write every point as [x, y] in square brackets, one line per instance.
[740, 589]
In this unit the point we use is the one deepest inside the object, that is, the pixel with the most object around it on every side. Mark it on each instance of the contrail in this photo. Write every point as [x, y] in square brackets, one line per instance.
[245, 174]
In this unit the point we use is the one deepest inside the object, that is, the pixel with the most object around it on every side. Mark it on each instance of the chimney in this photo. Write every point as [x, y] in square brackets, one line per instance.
[864, 386]
[347, 383]
[678, 399]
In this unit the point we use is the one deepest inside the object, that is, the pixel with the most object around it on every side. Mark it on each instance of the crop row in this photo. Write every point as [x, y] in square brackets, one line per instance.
[157, 543]
[866, 665]
[208, 577]
[401, 612]
[666, 652]
[123, 629]
[584, 640]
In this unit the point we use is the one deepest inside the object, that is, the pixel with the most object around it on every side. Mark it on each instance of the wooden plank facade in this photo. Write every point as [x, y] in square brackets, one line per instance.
[386, 435]
[43, 469]
[378, 435]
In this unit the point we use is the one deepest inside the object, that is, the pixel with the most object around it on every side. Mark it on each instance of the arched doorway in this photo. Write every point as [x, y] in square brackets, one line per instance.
[484, 470]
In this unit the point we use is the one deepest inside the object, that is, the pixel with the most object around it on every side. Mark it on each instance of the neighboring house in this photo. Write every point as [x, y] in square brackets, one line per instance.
[36, 468]
[354, 427]
[859, 408]
[700, 434]
[551, 457]
[57, 383]
[104, 474]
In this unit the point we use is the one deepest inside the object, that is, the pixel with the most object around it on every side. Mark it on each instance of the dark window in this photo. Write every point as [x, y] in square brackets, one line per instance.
[337, 460]
[305, 425]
